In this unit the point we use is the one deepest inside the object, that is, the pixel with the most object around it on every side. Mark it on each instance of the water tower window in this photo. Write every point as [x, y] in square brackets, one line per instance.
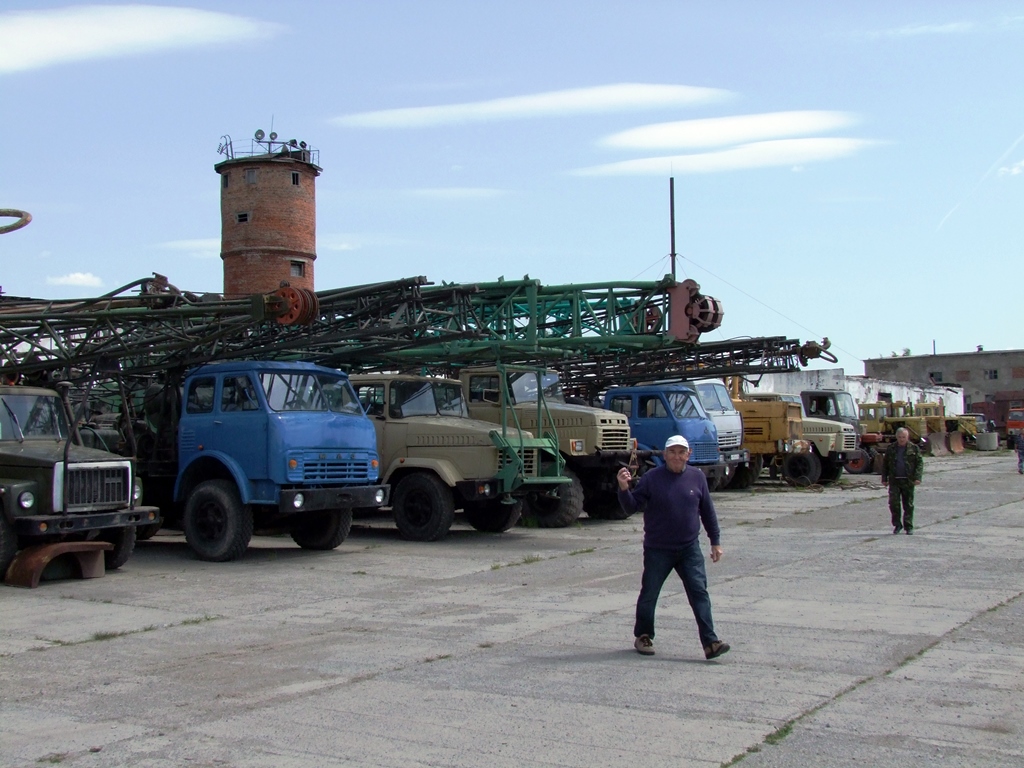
[224, 180]
[242, 218]
[250, 175]
[298, 268]
[295, 178]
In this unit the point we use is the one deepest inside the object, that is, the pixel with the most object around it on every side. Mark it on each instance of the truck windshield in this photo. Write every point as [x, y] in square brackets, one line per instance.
[847, 407]
[32, 416]
[714, 396]
[523, 385]
[309, 392]
[425, 398]
[1011, 416]
[685, 406]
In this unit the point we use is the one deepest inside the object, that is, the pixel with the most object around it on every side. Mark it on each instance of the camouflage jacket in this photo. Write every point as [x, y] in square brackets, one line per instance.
[913, 460]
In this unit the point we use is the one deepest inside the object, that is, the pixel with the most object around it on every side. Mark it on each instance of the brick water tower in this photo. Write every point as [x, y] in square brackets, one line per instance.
[267, 214]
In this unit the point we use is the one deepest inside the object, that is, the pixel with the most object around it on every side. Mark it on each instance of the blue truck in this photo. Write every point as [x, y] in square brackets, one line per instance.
[257, 445]
[658, 411]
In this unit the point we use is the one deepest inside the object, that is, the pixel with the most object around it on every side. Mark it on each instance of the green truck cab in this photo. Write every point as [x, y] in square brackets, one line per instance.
[594, 442]
[54, 489]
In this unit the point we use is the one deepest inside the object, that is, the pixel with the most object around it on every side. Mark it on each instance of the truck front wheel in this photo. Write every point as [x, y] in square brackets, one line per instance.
[322, 530]
[493, 516]
[830, 471]
[561, 511]
[802, 468]
[745, 477]
[8, 545]
[123, 540]
[218, 526]
[423, 507]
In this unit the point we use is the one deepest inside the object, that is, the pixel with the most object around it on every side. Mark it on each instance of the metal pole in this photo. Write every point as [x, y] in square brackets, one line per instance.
[672, 220]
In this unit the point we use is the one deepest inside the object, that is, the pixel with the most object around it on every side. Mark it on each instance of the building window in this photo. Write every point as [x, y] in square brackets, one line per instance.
[295, 178]
[936, 376]
[298, 269]
[250, 175]
[963, 375]
[224, 180]
[991, 373]
[242, 218]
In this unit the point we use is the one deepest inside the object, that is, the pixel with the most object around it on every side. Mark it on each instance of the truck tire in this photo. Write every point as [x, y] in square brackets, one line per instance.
[322, 530]
[560, 512]
[831, 471]
[862, 465]
[123, 540]
[8, 545]
[147, 532]
[423, 507]
[745, 477]
[218, 526]
[802, 468]
[605, 506]
[493, 516]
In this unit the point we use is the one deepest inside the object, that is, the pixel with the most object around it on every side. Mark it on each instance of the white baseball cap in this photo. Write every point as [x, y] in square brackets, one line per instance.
[677, 440]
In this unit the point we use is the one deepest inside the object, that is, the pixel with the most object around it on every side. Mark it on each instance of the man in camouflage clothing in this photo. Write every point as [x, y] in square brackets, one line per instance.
[902, 469]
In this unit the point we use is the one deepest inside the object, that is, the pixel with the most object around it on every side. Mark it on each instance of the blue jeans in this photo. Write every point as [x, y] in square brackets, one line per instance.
[1020, 458]
[689, 564]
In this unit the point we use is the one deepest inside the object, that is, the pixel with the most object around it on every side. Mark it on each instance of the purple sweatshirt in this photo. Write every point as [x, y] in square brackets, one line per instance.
[674, 506]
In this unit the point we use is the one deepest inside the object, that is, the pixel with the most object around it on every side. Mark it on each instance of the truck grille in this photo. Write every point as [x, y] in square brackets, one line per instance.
[849, 441]
[529, 457]
[336, 470]
[729, 439]
[614, 439]
[95, 487]
[703, 453]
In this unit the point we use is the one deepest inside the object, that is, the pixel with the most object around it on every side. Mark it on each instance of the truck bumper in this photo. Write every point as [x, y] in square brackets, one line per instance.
[489, 489]
[735, 457]
[296, 501]
[608, 459]
[713, 471]
[57, 525]
[839, 457]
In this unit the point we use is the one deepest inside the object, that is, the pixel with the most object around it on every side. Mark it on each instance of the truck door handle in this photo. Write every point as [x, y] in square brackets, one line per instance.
[217, 421]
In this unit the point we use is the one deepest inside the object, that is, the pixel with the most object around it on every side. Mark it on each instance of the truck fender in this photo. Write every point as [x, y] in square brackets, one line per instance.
[443, 468]
[210, 466]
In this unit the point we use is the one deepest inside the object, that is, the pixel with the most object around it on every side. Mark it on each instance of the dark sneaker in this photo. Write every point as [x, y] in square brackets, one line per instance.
[897, 529]
[715, 650]
[644, 645]
[910, 531]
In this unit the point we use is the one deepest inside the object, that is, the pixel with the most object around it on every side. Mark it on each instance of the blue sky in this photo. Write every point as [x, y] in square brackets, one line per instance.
[854, 170]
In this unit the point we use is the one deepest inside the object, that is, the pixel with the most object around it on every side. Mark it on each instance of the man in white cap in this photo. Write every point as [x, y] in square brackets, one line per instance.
[675, 500]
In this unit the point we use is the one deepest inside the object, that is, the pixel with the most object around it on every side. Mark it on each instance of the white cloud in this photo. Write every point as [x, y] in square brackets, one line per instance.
[33, 39]
[723, 131]
[457, 193]
[761, 154]
[200, 248]
[953, 28]
[577, 101]
[1012, 170]
[83, 279]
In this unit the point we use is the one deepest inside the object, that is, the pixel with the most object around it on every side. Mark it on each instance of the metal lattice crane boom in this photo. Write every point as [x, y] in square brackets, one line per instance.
[595, 334]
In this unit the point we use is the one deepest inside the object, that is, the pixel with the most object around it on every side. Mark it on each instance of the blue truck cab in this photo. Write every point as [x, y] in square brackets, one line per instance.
[272, 445]
[657, 412]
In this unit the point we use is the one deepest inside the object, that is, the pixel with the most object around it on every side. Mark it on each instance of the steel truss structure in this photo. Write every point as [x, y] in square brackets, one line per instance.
[594, 334]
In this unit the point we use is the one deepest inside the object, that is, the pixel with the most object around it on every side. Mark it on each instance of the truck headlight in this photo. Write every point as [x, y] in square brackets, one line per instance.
[137, 489]
[298, 500]
[26, 500]
[576, 446]
[379, 496]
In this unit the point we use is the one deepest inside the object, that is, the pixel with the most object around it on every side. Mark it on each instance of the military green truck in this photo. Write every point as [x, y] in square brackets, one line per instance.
[594, 443]
[832, 443]
[437, 459]
[54, 489]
